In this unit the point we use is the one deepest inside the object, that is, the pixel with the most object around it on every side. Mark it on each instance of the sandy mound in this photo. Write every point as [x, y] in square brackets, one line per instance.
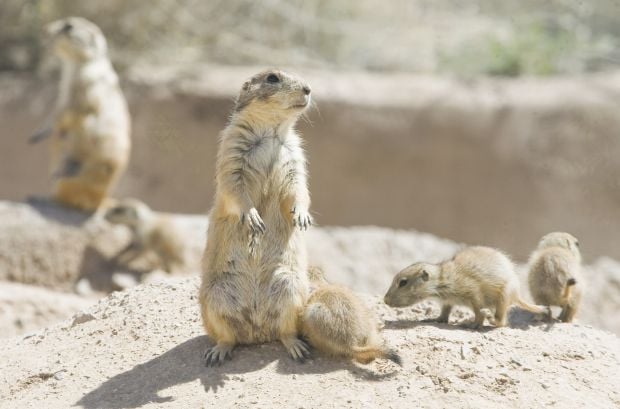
[26, 308]
[142, 347]
[50, 246]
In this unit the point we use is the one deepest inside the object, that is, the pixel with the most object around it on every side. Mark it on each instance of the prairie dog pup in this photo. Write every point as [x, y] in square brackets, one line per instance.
[90, 136]
[477, 277]
[555, 273]
[151, 232]
[254, 282]
[337, 323]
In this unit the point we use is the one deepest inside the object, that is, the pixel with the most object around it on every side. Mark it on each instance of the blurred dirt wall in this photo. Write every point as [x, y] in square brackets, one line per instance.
[496, 162]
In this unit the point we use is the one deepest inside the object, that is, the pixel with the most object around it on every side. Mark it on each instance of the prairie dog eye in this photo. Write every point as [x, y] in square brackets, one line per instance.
[273, 79]
[402, 282]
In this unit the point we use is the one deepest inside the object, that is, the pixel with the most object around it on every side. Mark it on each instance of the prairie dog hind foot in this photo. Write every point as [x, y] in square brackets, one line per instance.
[297, 348]
[217, 354]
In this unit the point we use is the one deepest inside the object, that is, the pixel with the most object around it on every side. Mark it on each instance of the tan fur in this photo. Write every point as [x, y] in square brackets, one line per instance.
[151, 232]
[254, 283]
[90, 137]
[554, 265]
[477, 277]
[316, 276]
[337, 323]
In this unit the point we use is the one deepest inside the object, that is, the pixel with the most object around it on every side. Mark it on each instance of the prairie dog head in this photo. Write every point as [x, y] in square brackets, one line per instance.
[273, 97]
[129, 212]
[560, 239]
[413, 284]
[76, 39]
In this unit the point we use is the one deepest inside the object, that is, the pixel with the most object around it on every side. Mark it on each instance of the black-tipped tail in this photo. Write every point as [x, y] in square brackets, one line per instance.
[365, 355]
[569, 287]
[393, 356]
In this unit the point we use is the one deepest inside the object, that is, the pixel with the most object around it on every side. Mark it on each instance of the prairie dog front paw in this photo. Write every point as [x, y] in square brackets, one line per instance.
[252, 220]
[301, 218]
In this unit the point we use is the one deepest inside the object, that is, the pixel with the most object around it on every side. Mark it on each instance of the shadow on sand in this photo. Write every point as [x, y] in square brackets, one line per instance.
[97, 268]
[517, 319]
[183, 363]
[58, 213]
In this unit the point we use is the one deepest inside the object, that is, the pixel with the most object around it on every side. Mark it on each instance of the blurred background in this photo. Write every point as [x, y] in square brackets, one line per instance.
[472, 38]
[485, 122]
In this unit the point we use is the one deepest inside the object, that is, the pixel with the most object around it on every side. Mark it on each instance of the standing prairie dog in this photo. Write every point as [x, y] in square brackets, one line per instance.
[337, 323]
[555, 273]
[476, 277]
[254, 283]
[90, 136]
[150, 232]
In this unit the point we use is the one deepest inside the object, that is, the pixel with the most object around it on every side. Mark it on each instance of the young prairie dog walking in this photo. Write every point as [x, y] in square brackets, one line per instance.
[150, 232]
[254, 283]
[337, 323]
[90, 135]
[477, 277]
[555, 273]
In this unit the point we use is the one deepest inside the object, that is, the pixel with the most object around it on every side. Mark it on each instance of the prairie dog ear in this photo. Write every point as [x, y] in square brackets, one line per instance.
[425, 275]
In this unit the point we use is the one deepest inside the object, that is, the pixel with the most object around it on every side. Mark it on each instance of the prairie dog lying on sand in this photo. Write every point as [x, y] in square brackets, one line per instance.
[150, 232]
[337, 323]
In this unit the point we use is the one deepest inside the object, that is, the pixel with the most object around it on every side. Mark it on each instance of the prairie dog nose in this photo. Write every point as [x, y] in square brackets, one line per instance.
[306, 90]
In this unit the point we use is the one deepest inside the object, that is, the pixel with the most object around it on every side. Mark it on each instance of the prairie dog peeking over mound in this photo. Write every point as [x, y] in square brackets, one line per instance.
[90, 135]
[255, 268]
[555, 274]
[337, 323]
[150, 232]
[476, 277]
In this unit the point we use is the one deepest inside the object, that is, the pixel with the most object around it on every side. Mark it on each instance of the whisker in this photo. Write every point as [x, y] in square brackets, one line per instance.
[313, 107]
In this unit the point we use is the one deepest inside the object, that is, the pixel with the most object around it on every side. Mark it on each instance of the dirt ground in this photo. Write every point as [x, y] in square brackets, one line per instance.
[142, 348]
[25, 308]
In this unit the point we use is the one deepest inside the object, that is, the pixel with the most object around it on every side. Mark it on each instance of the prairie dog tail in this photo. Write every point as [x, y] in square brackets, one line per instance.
[535, 309]
[568, 288]
[369, 353]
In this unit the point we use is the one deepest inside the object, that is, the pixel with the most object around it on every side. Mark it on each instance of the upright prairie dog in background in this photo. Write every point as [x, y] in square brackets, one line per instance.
[90, 136]
[337, 323]
[555, 273]
[476, 277]
[254, 282]
[150, 232]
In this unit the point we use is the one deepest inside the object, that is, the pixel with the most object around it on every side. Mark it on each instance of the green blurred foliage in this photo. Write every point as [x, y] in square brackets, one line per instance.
[459, 37]
[536, 48]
